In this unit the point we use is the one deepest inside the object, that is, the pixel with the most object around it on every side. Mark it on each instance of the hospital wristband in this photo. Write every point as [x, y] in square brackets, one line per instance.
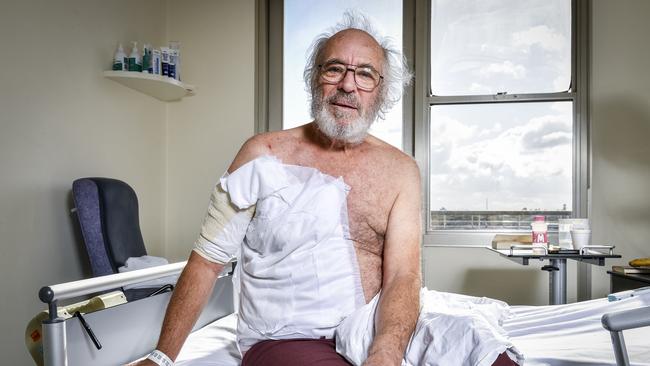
[160, 358]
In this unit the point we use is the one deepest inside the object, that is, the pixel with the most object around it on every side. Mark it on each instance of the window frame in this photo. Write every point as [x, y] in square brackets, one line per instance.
[425, 100]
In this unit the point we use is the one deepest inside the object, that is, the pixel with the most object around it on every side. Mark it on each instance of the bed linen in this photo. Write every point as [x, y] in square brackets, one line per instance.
[552, 335]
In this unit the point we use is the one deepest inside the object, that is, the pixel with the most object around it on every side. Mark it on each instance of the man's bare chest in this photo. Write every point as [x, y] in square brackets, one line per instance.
[369, 201]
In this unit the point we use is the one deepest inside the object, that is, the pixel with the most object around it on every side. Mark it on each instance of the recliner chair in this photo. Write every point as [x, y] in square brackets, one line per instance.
[107, 210]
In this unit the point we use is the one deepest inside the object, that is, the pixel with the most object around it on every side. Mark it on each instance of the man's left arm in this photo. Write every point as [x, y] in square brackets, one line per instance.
[399, 303]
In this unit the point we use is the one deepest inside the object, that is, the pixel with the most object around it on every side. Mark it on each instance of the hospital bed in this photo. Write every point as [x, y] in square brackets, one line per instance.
[570, 334]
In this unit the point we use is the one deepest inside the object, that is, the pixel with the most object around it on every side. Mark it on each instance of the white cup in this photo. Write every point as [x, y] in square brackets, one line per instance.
[580, 238]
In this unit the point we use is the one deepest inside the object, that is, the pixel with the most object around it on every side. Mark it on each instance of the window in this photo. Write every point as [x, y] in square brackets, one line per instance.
[302, 22]
[502, 140]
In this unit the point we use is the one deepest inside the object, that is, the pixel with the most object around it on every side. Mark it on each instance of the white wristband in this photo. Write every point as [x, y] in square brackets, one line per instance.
[160, 358]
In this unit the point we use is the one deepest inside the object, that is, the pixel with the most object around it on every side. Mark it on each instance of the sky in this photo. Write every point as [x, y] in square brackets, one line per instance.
[494, 157]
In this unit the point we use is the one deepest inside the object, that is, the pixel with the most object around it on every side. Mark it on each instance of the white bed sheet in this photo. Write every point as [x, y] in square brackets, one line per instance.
[557, 335]
[572, 334]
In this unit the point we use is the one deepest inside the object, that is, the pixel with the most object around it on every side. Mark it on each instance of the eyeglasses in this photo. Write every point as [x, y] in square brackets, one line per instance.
[366, 77]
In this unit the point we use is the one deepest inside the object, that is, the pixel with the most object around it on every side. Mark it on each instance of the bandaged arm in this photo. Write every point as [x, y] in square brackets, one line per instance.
[222, 232]
[224, 228]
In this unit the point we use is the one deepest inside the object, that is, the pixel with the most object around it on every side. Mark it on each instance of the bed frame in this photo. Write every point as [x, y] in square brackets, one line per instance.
[123, 333]
[617, 322]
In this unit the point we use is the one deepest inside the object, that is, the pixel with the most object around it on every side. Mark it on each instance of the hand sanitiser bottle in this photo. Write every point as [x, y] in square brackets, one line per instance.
[135, 61]
[120, 61]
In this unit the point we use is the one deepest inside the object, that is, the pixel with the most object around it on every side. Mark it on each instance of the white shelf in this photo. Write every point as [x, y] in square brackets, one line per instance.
[160, 87]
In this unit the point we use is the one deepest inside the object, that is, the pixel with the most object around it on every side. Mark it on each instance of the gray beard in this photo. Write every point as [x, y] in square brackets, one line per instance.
[351, 132]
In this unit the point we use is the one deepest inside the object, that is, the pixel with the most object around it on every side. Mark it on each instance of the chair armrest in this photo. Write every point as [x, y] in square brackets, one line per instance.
[626, 319]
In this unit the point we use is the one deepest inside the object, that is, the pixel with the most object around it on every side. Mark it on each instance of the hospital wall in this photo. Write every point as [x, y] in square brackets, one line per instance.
[60, 119]
[620, 127]
[206, 131]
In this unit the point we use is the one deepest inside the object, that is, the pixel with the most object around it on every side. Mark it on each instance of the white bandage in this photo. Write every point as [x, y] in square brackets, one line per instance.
[224, 228]
[160, 358]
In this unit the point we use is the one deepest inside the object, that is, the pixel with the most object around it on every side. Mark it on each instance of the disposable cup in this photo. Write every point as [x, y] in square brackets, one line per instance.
[580, 238]
[564, 230]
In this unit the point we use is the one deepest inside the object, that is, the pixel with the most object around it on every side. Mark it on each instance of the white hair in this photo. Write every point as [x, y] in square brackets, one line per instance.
[396, 72]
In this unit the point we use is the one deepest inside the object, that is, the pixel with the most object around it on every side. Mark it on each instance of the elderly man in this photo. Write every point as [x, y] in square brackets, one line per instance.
[337, 219]
[322, 219]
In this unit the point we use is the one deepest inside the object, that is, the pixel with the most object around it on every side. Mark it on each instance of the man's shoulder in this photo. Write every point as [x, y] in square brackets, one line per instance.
[395, 159]
[267, 143]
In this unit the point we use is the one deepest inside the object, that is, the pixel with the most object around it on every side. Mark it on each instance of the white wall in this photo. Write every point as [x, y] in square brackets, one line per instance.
[205, 131]
[60, 119]
[620, 116]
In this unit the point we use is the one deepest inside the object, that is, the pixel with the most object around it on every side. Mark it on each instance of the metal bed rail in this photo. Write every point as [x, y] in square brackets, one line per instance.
[65, 343]
[617, 322]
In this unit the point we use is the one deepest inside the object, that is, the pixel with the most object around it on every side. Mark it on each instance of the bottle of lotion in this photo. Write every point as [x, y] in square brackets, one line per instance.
[135, 61]
[120, 62]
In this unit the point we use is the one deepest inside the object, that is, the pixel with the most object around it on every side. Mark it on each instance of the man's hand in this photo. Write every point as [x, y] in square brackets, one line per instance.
[383, 358]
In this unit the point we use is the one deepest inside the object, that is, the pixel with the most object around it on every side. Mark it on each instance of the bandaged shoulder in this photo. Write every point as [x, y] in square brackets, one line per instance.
[223, 229]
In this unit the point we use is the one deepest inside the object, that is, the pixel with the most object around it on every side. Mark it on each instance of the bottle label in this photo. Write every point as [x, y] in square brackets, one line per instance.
[540, 237]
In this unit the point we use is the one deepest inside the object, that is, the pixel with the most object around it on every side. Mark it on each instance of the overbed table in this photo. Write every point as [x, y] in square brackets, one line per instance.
[557, 264]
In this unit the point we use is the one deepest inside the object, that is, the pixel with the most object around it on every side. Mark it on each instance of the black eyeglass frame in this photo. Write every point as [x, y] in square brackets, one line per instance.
[353, 68]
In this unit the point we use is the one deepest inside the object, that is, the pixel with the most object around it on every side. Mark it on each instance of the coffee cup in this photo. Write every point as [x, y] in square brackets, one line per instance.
[580, 238]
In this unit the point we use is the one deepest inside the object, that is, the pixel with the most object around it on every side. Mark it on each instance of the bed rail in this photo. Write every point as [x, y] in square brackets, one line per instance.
[619, 321]
[126, 331]
[52, 294]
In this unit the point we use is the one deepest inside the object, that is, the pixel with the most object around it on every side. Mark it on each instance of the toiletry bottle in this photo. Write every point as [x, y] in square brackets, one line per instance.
[146, 59]
[175, 59]
[135, 62]
[120, 62]
[540, 235]
[155, 61]
[164, 60]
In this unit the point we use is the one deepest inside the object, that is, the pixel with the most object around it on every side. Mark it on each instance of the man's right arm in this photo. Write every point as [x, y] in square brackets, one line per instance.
[190, 296]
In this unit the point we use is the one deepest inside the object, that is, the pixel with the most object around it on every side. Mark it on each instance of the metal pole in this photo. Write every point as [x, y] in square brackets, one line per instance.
[619, 349]
[54, 343]
[557, 288]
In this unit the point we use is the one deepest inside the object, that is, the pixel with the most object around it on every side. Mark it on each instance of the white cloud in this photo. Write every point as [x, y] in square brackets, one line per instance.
[523, 166]
[503, 68]
[480, 88]
[541, 35]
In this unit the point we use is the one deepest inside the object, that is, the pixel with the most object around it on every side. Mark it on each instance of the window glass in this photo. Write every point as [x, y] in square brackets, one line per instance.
[303, 21]
[489, 47]
[493, 166]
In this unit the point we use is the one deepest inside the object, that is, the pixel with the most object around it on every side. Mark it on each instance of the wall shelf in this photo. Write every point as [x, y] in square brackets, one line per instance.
[160, 87]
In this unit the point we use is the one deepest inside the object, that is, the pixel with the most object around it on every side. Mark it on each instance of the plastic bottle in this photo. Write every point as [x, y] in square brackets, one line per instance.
[146, 59]
[120, 61]
[174, 59]
[540, 235]
[135, 61]
[164, 60]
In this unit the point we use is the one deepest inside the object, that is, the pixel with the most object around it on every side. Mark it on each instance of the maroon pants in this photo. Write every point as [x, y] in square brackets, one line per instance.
[310, 352]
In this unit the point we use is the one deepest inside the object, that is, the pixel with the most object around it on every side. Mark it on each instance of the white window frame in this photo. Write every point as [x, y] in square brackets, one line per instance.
[424, 100]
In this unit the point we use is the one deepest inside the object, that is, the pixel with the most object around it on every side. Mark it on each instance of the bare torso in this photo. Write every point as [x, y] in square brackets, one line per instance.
[369, 169]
